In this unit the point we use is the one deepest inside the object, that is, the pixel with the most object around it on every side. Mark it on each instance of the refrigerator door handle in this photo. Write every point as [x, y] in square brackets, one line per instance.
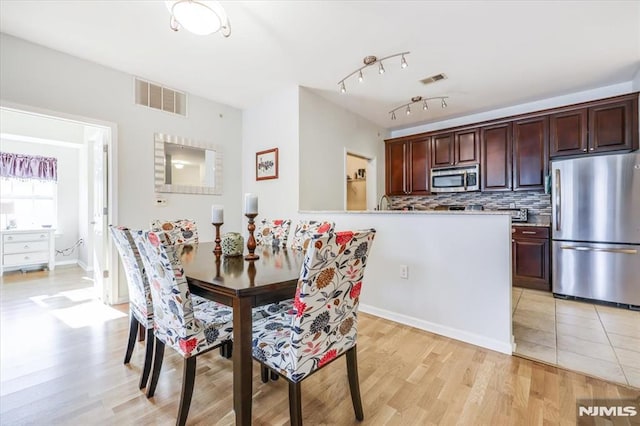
[558, 200]
[586, 248]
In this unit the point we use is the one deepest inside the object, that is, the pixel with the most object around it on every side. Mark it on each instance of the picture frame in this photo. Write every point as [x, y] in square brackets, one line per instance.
[267, 164]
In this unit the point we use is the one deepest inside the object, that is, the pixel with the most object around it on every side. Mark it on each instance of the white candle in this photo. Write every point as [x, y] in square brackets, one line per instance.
[250, 204]
[217, 214]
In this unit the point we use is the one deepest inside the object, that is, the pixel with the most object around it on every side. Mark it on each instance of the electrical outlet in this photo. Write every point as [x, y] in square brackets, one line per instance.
[512, 205]
[404, 271]
[161, 202]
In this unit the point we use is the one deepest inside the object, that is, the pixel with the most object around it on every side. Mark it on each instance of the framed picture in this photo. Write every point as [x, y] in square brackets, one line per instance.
[267, 164]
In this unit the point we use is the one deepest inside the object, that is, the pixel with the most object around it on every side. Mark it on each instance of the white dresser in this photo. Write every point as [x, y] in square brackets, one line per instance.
[22, 248]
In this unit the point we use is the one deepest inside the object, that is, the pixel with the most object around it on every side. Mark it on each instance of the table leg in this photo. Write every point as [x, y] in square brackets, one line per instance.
[242, 361]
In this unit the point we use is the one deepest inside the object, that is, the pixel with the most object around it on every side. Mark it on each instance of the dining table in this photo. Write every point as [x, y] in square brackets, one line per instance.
[242, 285]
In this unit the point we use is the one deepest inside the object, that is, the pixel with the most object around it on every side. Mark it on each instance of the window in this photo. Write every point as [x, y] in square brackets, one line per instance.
[34, 202]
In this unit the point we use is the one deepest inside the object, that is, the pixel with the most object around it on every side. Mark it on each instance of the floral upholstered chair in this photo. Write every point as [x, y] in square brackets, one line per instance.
[189, 328]
[140, 305]
[306, 229]
[323, 323]
[273, 232]
[181, 231]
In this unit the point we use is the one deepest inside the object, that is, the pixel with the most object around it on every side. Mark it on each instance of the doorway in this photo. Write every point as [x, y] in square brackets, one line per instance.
[86, 199]
[360, 182]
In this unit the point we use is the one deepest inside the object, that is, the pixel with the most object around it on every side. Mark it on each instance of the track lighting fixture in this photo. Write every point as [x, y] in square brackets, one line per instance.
[417, 99]
[370, 61]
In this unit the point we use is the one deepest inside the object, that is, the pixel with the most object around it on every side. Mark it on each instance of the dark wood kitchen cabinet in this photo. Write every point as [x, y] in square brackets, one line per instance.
[601, 126]
[530, 250]
[495, 149]
[455, 149]
[407, 167]
[530, 154]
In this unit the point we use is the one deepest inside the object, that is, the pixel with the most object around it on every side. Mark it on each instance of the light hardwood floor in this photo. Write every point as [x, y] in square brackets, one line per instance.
[62, 364]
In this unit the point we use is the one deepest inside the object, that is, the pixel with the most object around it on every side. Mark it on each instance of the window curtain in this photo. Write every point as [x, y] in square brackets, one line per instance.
[21, 166]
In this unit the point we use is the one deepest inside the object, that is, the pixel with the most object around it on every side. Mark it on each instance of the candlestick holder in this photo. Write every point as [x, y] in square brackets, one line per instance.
[217, 249]
[251, 242]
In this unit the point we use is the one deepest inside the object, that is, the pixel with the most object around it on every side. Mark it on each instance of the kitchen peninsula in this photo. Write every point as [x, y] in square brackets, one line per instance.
[459, 271]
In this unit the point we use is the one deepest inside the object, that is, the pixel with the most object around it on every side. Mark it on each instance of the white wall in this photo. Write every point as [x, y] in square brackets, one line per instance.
[459, 265]
[326, 130]
[36, 76]
[572, 98]
[635, 83]
[68, 177]
[272, 124]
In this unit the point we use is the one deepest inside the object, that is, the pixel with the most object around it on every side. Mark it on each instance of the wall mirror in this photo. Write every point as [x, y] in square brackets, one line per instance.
[187, 166]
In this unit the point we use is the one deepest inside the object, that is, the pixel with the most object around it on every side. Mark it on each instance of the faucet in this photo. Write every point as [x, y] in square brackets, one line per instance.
[384, 196]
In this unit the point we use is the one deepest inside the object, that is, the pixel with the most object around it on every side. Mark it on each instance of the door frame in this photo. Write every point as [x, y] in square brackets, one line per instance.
[113, 295]
[371, 183]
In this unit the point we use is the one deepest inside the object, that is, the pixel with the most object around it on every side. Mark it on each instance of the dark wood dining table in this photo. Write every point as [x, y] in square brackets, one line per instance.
[242, 284]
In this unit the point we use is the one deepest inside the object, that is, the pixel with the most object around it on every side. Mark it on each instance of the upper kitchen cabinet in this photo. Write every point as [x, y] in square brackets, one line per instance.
[496, 146]
[455, 148]
[530, 155]
[596, 127]
[407, 167]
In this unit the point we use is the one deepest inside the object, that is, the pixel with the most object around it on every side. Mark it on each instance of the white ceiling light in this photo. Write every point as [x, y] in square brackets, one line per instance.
[416, 99]
[370, 61]
[201, 17]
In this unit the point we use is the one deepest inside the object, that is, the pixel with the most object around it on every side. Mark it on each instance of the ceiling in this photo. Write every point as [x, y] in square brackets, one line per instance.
[495, 53]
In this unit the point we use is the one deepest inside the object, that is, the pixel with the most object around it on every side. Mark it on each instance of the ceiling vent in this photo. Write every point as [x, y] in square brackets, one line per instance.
[160, 97]
[433, 78]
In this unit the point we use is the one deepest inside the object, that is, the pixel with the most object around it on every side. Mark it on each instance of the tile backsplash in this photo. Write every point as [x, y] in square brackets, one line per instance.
[537, 202]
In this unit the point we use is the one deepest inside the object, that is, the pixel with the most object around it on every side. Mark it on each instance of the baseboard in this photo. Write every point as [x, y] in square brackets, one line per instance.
[66, 262]
[453, 333]
[84, 266]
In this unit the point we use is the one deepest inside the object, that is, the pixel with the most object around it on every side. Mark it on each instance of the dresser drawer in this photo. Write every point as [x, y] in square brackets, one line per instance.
[26, 247]
[31, 236]
[530, 232]
[25, 258]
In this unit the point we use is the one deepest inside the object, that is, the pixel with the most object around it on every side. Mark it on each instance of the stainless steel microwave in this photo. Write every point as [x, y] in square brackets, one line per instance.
[456, 179]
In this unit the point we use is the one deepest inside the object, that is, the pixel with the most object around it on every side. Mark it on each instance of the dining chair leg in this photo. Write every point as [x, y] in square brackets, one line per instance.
[157, 366]
[264, 373]
[148, 359]
[141, 332]
[133, 331]
[295, 404]
[188, 381]
[226, 349]
[274, 375]
[354, 386]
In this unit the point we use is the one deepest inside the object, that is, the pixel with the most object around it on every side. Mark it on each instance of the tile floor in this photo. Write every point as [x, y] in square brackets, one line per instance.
[598, 340]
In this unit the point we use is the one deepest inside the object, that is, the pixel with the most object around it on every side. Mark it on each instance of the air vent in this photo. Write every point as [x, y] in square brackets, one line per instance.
[433, 78]
[159, 97]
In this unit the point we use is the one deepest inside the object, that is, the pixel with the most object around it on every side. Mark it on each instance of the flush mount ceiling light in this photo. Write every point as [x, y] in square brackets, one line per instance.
[370, 61]
[416, 99]
[201, 17]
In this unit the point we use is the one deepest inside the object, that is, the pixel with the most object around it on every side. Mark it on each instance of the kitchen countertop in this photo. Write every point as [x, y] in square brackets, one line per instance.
[544, 221]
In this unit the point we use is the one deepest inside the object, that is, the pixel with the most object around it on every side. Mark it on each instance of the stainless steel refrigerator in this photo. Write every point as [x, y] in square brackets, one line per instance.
[596, 227]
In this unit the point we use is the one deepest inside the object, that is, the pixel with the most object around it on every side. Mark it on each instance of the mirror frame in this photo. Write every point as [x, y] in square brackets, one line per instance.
[159, 157]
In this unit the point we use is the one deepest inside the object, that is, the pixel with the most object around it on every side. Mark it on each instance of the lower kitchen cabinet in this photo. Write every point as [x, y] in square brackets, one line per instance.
[530, 247]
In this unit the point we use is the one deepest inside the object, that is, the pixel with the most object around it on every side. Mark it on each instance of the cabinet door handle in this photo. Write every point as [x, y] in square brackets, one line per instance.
[529, 232]
[584, 149]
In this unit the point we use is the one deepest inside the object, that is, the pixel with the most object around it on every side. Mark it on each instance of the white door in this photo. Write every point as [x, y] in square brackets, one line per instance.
[101, 252]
